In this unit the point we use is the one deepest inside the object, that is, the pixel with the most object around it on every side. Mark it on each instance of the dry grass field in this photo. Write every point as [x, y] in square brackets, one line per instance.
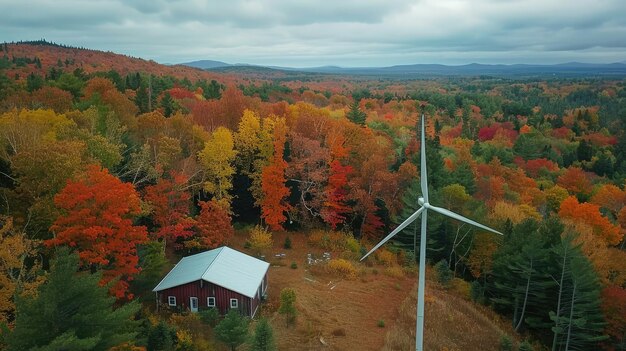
[336, 313]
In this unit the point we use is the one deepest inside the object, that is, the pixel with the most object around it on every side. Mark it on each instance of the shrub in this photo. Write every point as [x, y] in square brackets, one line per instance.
[209, 316]
[525, 346]
[260, 238]
[409, 259]
[294, 265]
[395, 272]
[352, 244]
[506, 344]
[287, 244]
[444, 274]
[161, 337]
[288, 304]
[185, 341]
[477, 292]
[386, 257]
[342, 268]
[333, 240]
[461, 287]
[381, 323]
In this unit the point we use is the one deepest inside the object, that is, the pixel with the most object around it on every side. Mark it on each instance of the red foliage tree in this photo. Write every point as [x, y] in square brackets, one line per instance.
[274, 205]
[575, 181]
[213, 225]
[97, 220]
[170, 206]
[336, 192]
[614, 308]
[533, 167]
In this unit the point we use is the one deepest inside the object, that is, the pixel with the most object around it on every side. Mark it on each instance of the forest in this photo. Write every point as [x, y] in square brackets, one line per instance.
[112, 168]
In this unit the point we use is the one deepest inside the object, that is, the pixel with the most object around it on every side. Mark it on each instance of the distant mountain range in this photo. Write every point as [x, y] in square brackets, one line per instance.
[473, 69]
[206, 64]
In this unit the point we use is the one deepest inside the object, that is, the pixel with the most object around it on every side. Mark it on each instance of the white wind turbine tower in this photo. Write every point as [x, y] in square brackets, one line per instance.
[423, 210]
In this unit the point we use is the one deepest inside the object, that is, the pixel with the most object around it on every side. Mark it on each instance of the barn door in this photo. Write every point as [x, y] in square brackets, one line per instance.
[193, 304]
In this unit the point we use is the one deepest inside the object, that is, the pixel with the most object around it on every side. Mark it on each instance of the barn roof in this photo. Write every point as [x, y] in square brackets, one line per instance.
[223, 266]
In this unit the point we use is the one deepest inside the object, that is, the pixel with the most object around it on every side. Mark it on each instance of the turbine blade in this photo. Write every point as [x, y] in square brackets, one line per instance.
[396, 231]
[458, 217]
[423, 171]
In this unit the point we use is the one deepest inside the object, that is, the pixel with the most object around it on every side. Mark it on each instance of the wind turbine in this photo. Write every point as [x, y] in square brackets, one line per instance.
[423, 210]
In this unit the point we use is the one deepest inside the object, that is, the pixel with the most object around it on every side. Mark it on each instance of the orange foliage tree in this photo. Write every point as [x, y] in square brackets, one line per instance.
[335, 207]
[97, 220]
[590, 214]
[213, 225]
[575, 181]
[274, 204]
[170, 208]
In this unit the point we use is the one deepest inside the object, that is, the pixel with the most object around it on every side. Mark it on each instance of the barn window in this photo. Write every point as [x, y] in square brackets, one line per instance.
[234, 303]
[210, 301]
[171, 300]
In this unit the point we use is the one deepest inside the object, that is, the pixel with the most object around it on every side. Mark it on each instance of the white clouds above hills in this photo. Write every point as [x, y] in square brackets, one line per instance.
[340, 32]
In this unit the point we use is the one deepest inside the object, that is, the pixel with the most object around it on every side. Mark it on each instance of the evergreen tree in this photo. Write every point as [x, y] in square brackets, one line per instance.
[578, 322]
[521, 281]
[71, 312]
[584, 151]
[168, 104]
[355, 115]
[161, 337]
[603, 165]
[464, 175]
[288, 304]
[406, 238]
[233, 329]
[263, 337]
[141, 99]
[33, 82]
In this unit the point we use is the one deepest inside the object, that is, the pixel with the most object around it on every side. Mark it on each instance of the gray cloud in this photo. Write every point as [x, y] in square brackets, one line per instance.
[344, 32]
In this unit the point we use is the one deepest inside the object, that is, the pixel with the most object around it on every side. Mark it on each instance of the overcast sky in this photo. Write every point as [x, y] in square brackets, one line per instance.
[302, 33]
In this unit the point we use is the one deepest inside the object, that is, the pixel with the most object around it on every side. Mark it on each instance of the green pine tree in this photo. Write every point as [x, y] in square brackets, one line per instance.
[233, 329]
[355, 115]
[263, 337]
[71, 312]
[168, 104]
[578, 322]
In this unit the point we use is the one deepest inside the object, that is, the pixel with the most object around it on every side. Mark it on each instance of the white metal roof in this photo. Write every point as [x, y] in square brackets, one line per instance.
[223, 266]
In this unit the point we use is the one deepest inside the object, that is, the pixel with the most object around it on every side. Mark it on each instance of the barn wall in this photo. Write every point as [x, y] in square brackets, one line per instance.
[202, 290]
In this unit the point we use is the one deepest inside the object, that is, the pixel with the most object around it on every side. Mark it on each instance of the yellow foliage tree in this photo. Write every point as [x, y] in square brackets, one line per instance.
[17, 277]
[216, 160]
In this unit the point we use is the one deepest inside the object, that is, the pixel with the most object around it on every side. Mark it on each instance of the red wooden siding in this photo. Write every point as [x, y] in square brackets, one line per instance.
[202, 290]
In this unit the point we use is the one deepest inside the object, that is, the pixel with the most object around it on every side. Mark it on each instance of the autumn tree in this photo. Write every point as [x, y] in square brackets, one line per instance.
[97, 220]
[170, 207]
[275, 192]
[614, 308]
[217, 159]
[575, 181]
[590, 214]
[335, 204]
[19, 267]
[213, 226]
[309, 170]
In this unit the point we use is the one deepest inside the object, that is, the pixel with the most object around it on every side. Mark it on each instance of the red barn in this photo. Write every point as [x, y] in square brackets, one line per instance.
[222, 278]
